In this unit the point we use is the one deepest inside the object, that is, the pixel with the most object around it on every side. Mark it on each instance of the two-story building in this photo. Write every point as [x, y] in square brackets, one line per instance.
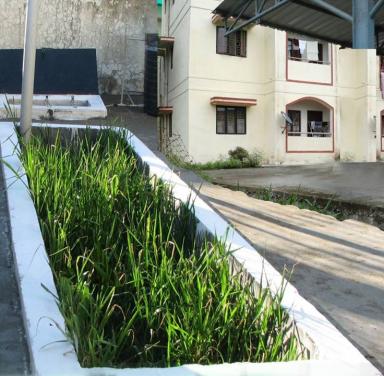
[291, 98]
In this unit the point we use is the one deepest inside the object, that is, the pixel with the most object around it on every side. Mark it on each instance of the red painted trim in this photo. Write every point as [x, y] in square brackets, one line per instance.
[166, 42]
[325, 104]
[165, 110]
[217, 19]
[226, 101]
[302, 81]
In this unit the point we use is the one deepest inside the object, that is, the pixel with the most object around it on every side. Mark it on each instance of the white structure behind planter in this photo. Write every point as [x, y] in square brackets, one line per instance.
[57, 107]
[332, 353]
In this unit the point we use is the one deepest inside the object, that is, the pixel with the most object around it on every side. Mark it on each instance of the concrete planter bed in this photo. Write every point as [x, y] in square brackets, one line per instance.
[51, 352]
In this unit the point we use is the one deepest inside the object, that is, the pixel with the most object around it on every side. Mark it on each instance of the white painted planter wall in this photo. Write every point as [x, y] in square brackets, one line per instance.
[333, 355]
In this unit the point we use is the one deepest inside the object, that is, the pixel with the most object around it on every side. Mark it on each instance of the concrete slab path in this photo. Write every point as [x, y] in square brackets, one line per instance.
[14, 356]
[353, 182]
[338, 266]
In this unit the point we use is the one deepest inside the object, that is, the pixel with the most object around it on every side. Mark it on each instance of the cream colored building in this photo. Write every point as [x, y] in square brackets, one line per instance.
[215, 95]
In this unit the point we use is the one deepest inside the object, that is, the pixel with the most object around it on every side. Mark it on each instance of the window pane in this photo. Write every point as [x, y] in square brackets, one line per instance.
[295, 128]
[170, 129]
[242, 44]
[231, 120]
[238, 43]
[232, 44]
[222, 41]
[220, 120]
[241, 120]
[294, 48]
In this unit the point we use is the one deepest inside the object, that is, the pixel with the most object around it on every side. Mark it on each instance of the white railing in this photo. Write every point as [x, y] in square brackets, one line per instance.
[310, 134]
[305, 60]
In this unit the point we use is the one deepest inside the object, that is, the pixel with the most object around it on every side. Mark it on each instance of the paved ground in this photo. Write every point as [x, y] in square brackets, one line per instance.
[352, 182]
[14, 359]
[338, 266]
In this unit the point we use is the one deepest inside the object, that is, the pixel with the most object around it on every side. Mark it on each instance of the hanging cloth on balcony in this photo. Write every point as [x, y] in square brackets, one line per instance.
[312, 50]
[303, 47]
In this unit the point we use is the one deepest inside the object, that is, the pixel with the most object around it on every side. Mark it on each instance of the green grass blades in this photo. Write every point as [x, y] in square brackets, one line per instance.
[136, 286]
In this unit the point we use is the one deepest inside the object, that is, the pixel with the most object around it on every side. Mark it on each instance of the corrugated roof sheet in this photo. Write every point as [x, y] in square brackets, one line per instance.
[301, 17]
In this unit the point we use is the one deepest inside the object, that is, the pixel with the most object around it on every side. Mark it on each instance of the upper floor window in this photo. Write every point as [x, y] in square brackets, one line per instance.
[234, 44]
[230, 120]
[309, 50]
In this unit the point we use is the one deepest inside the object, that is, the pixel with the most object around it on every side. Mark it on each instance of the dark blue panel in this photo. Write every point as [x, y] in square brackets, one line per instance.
[11, 65]
[58, 71]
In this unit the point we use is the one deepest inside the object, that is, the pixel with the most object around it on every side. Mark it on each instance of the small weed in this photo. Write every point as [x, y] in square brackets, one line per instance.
[301, 201]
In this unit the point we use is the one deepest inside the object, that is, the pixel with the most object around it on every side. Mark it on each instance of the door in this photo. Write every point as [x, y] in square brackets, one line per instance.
[315, 122]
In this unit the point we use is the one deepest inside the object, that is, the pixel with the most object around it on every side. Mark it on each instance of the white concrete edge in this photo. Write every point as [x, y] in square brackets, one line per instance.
[42, 314]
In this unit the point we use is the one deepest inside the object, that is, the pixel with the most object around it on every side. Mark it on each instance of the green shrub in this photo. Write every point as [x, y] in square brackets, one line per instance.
[239, 154]
[248, 160]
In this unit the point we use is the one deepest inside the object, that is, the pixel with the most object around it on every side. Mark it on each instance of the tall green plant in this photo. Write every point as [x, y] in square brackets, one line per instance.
[136, 286]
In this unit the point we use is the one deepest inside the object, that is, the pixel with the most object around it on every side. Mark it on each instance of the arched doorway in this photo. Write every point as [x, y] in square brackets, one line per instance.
[312, 128]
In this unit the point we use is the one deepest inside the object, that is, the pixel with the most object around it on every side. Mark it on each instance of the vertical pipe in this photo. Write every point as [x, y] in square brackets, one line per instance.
[29, 61]
[363, 24]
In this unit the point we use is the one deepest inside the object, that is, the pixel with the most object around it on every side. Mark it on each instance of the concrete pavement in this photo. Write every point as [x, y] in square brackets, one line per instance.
[361, 183]
[337, 266]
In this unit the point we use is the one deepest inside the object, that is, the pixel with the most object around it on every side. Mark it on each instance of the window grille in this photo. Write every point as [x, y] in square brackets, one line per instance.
[234, 45]
[230, 120]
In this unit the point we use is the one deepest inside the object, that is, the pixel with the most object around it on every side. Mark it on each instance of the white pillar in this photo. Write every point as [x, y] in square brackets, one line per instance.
[29, 61]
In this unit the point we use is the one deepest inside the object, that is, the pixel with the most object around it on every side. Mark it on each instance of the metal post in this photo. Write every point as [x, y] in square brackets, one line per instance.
[29, 61]
[363, 24]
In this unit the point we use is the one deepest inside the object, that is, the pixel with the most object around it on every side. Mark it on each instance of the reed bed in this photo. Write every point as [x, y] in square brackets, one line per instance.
[136, 286]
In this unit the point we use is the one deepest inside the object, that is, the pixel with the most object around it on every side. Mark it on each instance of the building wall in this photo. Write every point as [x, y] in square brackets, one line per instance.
[348, 86]
[116, 28]
[212, 74]
[174, 69]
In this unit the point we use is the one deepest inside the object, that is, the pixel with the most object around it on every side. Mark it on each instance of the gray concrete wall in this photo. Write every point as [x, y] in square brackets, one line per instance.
[116, 28]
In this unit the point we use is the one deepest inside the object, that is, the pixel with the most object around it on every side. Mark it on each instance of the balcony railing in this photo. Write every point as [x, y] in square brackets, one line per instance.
[314, 129]
[305, 60]
[310, 134]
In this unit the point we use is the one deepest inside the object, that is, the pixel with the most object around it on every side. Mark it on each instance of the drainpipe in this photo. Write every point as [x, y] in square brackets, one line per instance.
[29, 61]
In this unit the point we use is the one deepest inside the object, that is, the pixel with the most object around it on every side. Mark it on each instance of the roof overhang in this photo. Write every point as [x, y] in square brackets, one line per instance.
[166, 42]
[328, 20]
[235, 102]
[166, 110]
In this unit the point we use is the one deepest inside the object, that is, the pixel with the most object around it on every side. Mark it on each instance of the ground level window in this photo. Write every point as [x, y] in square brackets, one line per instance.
[230, 120]
[294, 129]
[382, 133]
[170, 129]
